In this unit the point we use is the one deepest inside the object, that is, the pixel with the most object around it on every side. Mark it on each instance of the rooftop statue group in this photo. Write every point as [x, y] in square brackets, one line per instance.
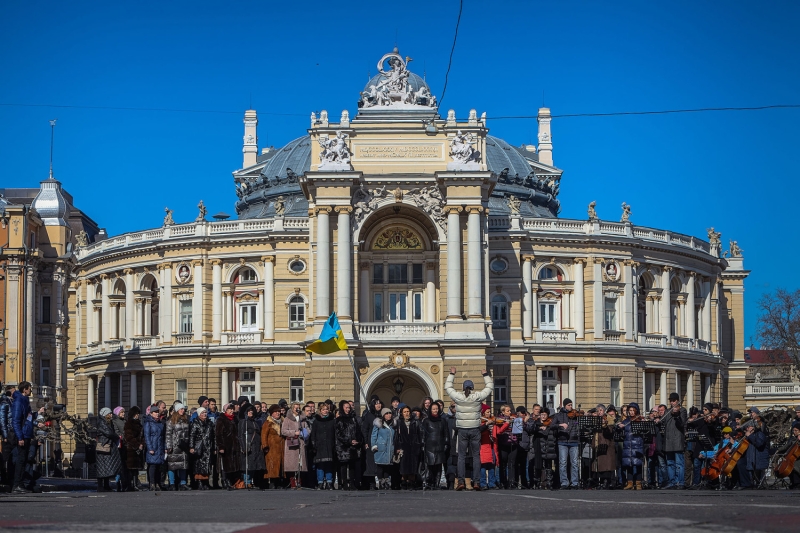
[394, 87]
[335, 155]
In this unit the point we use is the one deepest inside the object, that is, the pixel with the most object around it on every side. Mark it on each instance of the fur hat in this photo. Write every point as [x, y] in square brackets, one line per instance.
[105, 411]
[274, 408]
[611, 408]
[673, 397]
[566, 402]
[395, 398]
[384, 411]
[133, 411]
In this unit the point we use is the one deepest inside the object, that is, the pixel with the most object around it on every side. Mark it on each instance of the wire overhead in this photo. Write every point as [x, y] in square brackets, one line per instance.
[660, 112]
[452, 50]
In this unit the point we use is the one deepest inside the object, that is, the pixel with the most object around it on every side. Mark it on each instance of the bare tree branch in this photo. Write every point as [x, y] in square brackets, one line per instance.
[778, 326]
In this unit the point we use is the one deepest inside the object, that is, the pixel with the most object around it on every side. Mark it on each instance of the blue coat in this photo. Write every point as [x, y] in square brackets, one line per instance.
[632, 447]
[757, 455]
[154, 438]
[383, 438]
[21, 417]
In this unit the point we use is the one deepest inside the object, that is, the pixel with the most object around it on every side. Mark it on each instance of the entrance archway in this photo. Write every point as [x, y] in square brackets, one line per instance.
[413, 383]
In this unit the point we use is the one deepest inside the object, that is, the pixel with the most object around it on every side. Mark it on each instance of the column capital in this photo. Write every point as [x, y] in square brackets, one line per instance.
[581, 260]
[364, 265]
[667, 268]
[567, 291]
[692, 274]
[325, 209]
[268, 259]
[430, 265]
[453, 209]
[631, 263]
[343, 209]
[104, 277]
[164, 266]
[486, 211]
[197, 262]
[215, 262]
[128, 271]
[528, 258]
[599, 260]
[470, 209]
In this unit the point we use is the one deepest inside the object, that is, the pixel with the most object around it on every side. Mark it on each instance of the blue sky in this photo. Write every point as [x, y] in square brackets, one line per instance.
[736, 171]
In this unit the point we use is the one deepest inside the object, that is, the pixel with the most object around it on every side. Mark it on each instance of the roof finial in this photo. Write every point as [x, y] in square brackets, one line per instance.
[52, 135]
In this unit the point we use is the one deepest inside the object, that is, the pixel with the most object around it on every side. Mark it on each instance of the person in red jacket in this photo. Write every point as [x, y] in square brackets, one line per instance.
[489, 451]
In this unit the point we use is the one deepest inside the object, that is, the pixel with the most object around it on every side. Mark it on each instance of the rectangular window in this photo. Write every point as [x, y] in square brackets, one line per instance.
[377, 274]
[499, 312]
[616, 391]
[547, 316]
[418, 306]
[186, 316]
[611, 314]
[416, 275]
[398, 273]
[296, 390]
[500, 390]
[548, 374]
[377, 308]
[247, 317]
[181, 391]
[297, 313]
[249, 391]
[249, 376]
[45, 309]
[397, 306]
[45, 373]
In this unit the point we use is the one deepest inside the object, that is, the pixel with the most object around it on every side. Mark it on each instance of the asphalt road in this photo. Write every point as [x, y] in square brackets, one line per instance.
[387, 512]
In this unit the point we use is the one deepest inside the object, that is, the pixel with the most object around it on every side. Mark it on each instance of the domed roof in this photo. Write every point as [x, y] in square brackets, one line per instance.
[50, 203]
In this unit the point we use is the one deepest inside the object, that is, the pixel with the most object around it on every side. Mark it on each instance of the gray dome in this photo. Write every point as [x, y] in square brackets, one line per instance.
[50, 203]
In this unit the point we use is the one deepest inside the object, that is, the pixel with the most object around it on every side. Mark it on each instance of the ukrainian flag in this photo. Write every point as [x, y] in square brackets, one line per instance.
[331, 339]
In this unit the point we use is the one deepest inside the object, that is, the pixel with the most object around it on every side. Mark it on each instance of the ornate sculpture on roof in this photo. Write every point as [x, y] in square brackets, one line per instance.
[514, 204]
[365, 201]
[430, 200]
[201, 216]
[592, 211]
[168, 218]
[714, 237]
[82, 239]
[335, 154]
[280, 206]
[735, 250]
[626, 213]
[394, 88]
[465, 157]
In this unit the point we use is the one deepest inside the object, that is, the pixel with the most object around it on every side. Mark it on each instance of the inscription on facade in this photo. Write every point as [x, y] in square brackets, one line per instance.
[405, 151]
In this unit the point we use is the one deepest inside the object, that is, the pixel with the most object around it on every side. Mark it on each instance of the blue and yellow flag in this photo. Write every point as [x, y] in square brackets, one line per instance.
[331, 339]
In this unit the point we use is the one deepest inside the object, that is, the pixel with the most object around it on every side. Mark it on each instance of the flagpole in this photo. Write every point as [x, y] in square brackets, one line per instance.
[355, 372]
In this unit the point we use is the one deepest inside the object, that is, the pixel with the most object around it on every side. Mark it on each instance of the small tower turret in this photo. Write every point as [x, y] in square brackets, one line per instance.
[545, 139]
[250, 148]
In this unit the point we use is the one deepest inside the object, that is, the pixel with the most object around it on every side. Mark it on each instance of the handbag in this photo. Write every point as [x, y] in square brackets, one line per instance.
[102, 448]
[293, 442]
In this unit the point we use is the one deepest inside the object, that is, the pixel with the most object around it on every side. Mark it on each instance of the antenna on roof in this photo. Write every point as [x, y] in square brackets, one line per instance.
[251, 101]
[52, 137]
[542, 97]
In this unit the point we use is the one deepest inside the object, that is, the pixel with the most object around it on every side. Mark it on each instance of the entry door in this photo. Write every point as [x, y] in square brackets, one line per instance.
[398, 307]
[248, 320]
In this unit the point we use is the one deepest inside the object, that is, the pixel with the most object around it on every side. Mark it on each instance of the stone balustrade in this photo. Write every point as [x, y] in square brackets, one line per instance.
[241, 337]
[393, 331]
[773, 389]
[555, 336]
[182, 339]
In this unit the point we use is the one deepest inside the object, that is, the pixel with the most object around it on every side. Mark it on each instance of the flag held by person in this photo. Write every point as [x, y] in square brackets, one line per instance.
[331, 339]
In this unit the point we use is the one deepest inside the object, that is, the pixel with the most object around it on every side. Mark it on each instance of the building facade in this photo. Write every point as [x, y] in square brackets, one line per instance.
[438, 245]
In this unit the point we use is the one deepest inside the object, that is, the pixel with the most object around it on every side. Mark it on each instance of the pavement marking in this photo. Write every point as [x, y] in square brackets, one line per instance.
[651, 525]
[648, 503]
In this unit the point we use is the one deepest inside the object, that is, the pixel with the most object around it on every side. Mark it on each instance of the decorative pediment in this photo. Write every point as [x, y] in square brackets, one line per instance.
[397, 238]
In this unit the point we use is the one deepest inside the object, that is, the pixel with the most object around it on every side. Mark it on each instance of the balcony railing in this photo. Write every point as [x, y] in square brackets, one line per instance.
[241, 337]
[378, 331]
[648, 339]
[773, 389]
[182, 339]
[555, 336]
[144, 343]
[112, 345]
[614, 336]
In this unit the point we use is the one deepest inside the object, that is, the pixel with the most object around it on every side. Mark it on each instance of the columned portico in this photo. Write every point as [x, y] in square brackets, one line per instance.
[343, 264]
[323, 259]
[453, 263]
[474, 263]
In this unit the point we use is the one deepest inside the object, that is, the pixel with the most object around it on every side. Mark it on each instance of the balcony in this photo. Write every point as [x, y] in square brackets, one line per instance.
[683, 343]
[614, 336]
[182, 339]
[113, 345]
[787, 389]
[144, 343]
[394, 331]
[648, 339]
[235, 338]
[555, 336]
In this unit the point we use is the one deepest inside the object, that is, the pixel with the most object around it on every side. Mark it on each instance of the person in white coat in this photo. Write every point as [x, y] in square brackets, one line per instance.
[468, 421]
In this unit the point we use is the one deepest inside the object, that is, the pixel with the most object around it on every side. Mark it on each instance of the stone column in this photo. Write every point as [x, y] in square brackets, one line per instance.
[630, 299]
[580, 307]
[134, 392]
[566, 310]
[474, 263]
[651, 385]
[707, 387]
[453, 263]
[690, 390]
[216, 299]
[344, 281]
[666, 300]
[130, 305]
[114, 321]
[572, 387]
[148, 316]
[152, 388]
[197, 301]
[539, 387]
[363, 293]
[663, 388]
[430, 292]
[643, 405]
[258, 384]
[165, 305]
[707, 311]
[691, 311]
[30, 322]
[527, 299]
[323, 281]
[105, 313]
[599, 299]
[106, 390]
[269, 297]
[90, 395]
[224, 387]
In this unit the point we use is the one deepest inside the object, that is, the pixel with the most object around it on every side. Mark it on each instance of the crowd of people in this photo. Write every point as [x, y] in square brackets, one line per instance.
[459, 445]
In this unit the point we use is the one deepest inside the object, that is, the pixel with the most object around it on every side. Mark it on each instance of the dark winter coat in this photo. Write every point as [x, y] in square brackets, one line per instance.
[704, 429]
[408, 438]
[632, 446]
[21, 419]
[119, 426]
[108, 464]
[548, 444]
[606, 450]
[154, 438]
[674, 431]
[323, 438]
[134, 437]
[347, 431]
[435, 440]
[6, 429]
[177, 443]
[201, 440]
[251, 457]
[566, 436]
[757, 455]
[367, 419]
[227, 440]
[272, 448]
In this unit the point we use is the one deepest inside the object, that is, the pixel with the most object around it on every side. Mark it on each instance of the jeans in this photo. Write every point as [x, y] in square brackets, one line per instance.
[325, 472]
[571, 452]
[20, 464]
[489, 469]
[663, 470]
[468, 437]
[696, 477]
[675, 469]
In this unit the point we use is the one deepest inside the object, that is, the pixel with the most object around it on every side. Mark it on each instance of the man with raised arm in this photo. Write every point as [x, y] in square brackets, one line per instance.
[468, 421]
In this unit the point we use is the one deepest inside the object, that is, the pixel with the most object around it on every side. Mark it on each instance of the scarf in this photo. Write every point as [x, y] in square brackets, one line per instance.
[229, 417]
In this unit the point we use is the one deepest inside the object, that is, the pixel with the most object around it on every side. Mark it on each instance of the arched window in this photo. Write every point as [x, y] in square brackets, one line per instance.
[499, 312]
[297, 313]
[549, 273]
[246, 275]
